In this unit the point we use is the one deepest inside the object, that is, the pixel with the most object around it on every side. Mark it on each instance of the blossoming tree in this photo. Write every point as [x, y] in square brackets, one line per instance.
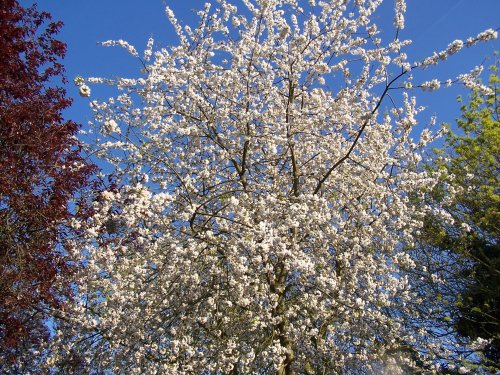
[262, 215]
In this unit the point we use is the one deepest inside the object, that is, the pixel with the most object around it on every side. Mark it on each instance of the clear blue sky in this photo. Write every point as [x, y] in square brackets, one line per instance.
[431, 24]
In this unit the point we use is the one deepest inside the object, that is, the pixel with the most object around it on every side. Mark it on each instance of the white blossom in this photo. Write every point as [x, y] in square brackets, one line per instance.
[110, 126]
[431, 85]
[484, 36]
[84, 91]
[466, 227]
[121, 43]
[79, 81]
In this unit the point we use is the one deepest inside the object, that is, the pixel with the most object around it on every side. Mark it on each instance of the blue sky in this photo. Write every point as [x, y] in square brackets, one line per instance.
[431, 24]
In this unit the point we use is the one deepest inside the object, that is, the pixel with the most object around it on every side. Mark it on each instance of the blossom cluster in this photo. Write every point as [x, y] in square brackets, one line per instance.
[83, 89]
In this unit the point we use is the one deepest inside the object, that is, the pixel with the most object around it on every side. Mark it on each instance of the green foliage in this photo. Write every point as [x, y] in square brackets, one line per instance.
[469, 165]
[475, 162]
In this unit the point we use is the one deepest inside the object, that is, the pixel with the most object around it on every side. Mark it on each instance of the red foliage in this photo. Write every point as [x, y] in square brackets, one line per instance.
[41, 171]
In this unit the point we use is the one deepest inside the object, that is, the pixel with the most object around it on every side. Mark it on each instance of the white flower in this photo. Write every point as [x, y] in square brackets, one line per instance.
[431, 85]
[482, 37]
[454, 47]
[110, 126]
[79, 81]
[466, 227]
[84, 91]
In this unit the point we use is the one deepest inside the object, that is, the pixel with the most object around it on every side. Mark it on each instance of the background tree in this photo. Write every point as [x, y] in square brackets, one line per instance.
[41, 170]
[262, 218]
[469, 165]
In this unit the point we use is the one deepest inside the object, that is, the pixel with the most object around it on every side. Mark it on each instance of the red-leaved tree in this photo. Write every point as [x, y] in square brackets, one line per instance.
[41, 172]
